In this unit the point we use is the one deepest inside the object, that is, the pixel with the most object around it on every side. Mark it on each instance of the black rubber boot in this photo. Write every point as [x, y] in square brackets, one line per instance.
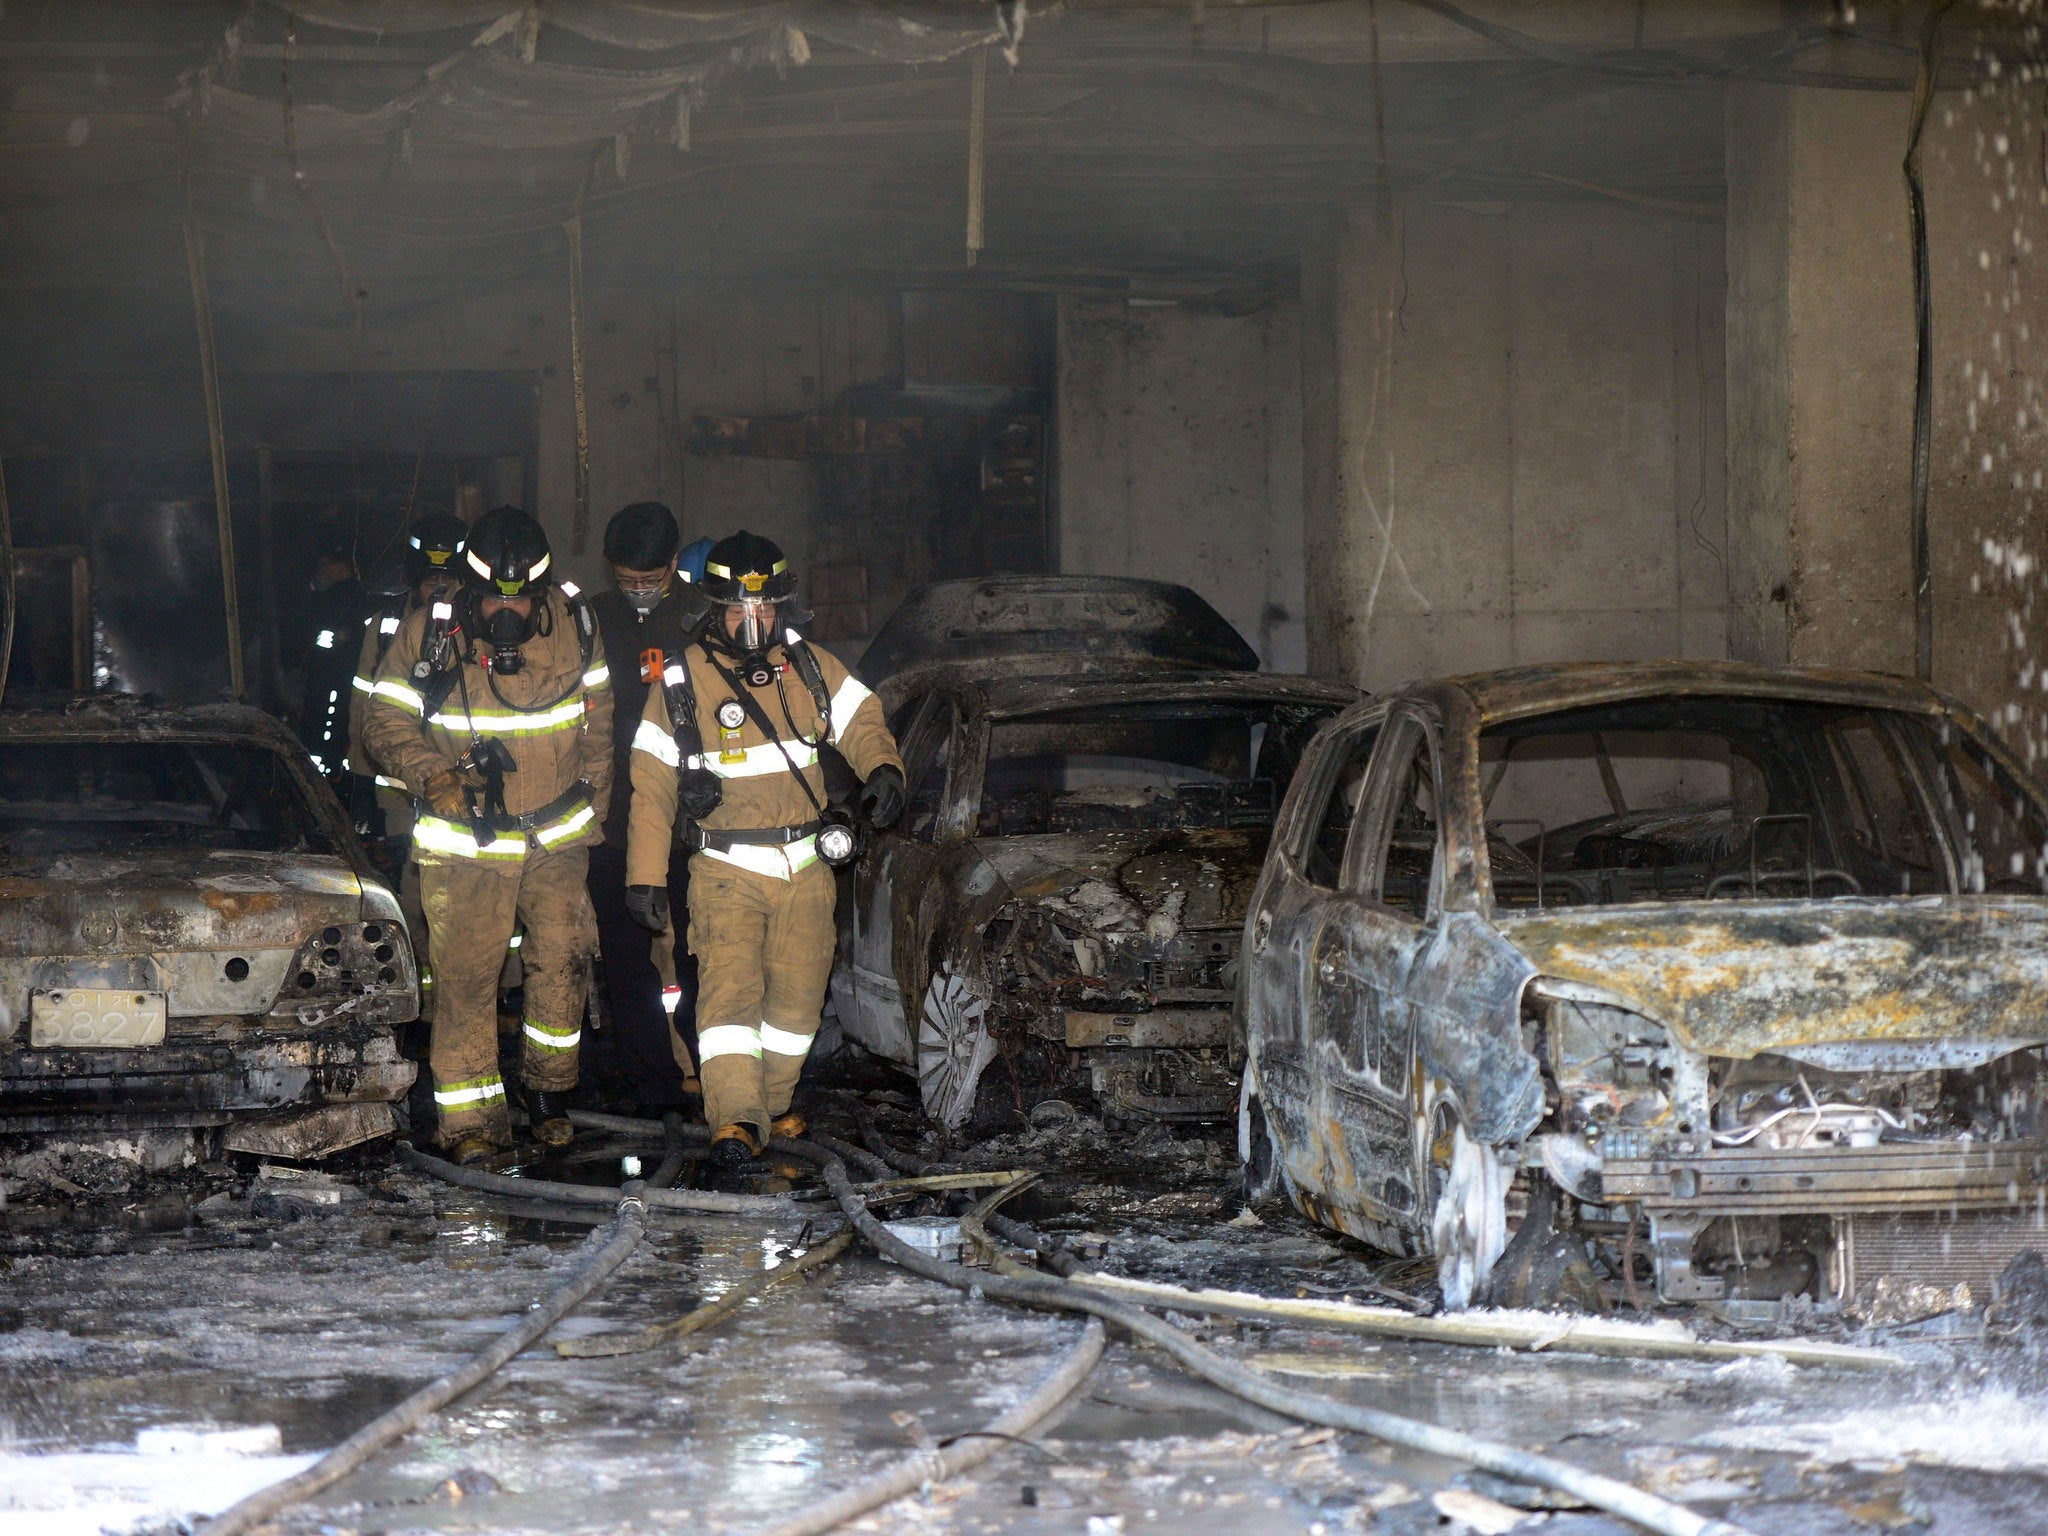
[734, 1146]
[549, 1113]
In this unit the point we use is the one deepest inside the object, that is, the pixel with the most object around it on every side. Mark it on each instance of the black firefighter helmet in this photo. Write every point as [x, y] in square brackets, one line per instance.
[432, 542]
[507, 556]
[747, 572]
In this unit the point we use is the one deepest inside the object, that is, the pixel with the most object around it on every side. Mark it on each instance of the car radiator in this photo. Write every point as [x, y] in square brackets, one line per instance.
[1936, 1248]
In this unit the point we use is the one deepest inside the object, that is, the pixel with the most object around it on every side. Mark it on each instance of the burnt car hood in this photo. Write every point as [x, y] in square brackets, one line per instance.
[152, 902]
[1216, 868]
[1739, 978]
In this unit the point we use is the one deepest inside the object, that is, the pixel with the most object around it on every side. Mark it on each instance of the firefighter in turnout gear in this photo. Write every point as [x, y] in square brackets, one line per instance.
[731, 740]
[495, 710]
[432, 572]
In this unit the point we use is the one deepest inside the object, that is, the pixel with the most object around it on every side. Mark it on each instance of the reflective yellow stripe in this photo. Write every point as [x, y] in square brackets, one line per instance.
[398, 693]
[547, 837]
[599, 676]
[432, 834]
[552, 1040]
[845, 703]
[656, 743]
[501, 723]
[728, 1040]
[755, 762]
[436, 834]
[475, 1090]
[784, 1042]
[775, 863]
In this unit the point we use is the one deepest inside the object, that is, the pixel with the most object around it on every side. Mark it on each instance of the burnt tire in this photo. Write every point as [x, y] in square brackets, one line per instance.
[1258, 1154]
[1468, 1210]
[955, 1046]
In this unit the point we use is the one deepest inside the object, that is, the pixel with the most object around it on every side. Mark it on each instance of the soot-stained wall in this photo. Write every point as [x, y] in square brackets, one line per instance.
[1180, 457]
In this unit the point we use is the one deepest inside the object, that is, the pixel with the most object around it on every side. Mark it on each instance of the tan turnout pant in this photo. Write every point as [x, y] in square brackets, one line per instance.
[764, 956]
[472, 906]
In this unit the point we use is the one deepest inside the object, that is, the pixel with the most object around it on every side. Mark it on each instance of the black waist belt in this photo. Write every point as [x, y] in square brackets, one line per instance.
[487, 829]
[753, 837]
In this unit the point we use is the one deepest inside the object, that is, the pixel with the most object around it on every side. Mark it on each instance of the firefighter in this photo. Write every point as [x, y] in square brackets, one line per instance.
[495, 710]
[334, 614]
[730, 740]
[643, 622]
[432, 573]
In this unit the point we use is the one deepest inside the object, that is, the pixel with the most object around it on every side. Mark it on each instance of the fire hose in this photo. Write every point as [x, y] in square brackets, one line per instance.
[604, 1251]
[609, 1247]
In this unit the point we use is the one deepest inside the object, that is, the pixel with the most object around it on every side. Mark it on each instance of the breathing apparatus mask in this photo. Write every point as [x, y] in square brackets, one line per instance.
[507, 557]
[752, 638]
[748, 576]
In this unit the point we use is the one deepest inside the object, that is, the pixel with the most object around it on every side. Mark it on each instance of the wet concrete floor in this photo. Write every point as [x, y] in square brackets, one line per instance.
[158, 1361]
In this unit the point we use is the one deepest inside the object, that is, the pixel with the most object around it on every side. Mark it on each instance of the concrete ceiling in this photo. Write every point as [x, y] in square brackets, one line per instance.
[1162, 149]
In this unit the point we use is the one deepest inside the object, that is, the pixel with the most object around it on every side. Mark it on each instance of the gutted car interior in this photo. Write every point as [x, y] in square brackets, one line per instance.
[1685, 799]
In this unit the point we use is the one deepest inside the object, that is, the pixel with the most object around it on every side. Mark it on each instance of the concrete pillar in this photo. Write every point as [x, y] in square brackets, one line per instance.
[1820, 378]
[1511, 439]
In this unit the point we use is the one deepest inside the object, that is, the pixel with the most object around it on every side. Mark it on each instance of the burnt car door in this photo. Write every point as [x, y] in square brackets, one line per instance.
[1373, 929]
[1300, 877]
[894, 868]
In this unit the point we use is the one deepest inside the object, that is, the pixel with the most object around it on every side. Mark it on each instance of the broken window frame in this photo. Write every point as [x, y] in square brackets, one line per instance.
[1409, 730]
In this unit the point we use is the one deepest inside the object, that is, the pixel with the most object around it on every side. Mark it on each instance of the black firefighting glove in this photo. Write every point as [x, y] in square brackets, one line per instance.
[698, 792]
[647, 905]
[881, 798]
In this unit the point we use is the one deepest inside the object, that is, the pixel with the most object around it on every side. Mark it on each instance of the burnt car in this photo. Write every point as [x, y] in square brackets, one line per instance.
[1741, 972]
[190, 933]
[1094, 765]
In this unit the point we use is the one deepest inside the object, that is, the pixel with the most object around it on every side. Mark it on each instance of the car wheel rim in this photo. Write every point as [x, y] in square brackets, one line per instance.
[954, 1047]
[1469, 1224]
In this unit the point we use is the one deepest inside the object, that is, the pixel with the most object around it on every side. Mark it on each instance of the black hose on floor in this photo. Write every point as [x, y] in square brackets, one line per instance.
[604, 1251]
[914, 1471]
[698, 1202]
[1618, 1498]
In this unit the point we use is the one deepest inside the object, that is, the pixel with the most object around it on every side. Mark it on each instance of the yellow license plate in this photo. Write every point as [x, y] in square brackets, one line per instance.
[73, 1018]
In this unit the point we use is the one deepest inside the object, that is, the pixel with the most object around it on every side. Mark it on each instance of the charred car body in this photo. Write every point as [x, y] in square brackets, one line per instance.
[190, 933]
[1094, 766]
[1744, 970]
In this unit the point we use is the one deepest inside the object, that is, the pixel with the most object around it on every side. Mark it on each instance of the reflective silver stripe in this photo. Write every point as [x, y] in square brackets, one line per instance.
[384, 783]
[499, 723]
[851, 695]
[656, 743]
[756, 762]
[470, 1093]
[364, 685]
[775, 863]
[598, 676]
[728, 1040]
[548, 1040]
[784, 1042]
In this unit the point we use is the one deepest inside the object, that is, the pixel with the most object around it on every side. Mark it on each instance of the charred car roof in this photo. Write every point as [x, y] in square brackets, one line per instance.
[1008, 696]
[1094, 622]
[1519, 691]
[111, 715]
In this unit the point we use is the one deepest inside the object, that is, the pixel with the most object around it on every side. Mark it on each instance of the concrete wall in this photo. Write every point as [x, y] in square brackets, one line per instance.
[1513, 429]
[1821, 360]
[1820, 400]
[651, 361]
[1179, 458]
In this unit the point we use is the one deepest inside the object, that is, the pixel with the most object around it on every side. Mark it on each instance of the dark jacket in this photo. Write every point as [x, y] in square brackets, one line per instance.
[626, 636]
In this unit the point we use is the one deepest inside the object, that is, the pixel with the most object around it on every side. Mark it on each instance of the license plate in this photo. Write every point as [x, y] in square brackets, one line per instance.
[78, 1017]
